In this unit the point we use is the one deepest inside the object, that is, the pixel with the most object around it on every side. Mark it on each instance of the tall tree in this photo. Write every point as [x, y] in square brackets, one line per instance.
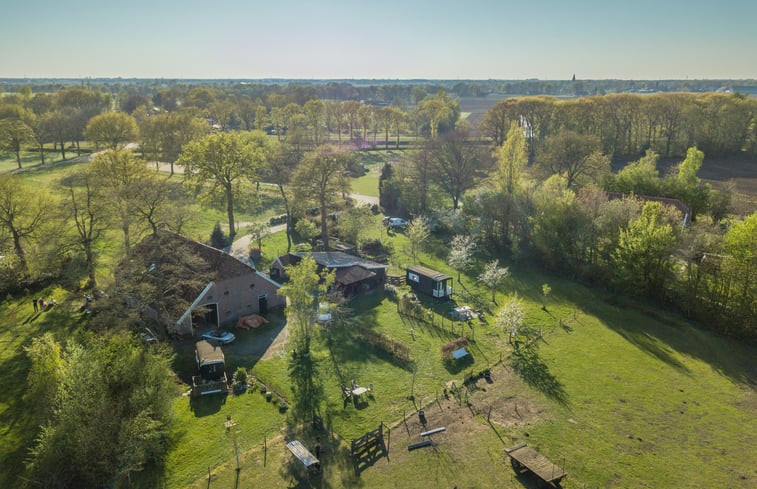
[512, 158]
[112, 130]
[457, 164]
[320, 177]
[120, 173]
[643, 255]
[440, 111]
[303, 291]
[573, 156]
[14, 134]
[22, 211]
[87, 208]
[217, 164]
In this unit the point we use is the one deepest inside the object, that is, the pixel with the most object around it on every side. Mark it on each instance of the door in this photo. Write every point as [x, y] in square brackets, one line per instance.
[263, 304]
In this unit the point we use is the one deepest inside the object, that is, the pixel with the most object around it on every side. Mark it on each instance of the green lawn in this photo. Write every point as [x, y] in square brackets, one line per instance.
[625, 399]
[31, 159]
[374, 161]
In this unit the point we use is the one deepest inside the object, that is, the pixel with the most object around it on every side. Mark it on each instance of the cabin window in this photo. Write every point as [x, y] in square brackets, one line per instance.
[252, 286]
[226, 293]
[414, 277]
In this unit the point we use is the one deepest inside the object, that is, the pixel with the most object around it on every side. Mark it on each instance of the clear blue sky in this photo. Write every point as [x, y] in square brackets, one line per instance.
[450, 39]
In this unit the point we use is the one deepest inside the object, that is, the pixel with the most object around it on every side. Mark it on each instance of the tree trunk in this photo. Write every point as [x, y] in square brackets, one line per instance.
[230, 212]
[20, 253]
[63, 149]
[90, 263]
[289, 217]
[18, 157]
[324, 225]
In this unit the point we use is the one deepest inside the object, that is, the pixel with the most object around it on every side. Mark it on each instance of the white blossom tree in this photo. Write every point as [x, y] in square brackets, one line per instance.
[460, 255]
[493, 276]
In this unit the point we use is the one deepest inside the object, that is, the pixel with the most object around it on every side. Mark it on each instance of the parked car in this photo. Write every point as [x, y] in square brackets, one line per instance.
[219, 336]
[395, 222]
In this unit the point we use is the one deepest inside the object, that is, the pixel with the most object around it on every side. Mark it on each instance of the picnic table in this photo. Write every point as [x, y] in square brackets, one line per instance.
[462, 313]
[460, 353]
[359, 390]
[303, 455]
[526, 459]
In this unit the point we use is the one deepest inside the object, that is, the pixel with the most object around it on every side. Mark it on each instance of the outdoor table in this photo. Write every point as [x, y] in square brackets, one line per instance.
[358, 391]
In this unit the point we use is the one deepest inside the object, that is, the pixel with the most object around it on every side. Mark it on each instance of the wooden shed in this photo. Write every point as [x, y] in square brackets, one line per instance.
[429, 282]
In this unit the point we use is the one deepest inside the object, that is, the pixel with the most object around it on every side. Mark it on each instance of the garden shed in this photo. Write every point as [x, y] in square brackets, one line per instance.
[429, 282]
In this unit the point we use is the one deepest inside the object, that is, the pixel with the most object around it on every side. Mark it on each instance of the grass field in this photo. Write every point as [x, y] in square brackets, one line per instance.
[620, 398]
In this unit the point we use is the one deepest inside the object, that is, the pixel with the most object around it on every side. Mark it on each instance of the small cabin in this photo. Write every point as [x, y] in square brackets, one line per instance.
[211, 369]
[429, 282]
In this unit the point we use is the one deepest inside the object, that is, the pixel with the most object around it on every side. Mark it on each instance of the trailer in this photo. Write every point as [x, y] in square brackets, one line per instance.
[525, 459]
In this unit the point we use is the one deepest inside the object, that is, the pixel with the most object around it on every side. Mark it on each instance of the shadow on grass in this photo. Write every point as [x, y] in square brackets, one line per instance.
[662, 335]
[207, 405]
[456, 366]
[534, 372]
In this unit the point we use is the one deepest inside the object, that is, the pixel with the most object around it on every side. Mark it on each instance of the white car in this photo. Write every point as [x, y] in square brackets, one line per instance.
[219, 336]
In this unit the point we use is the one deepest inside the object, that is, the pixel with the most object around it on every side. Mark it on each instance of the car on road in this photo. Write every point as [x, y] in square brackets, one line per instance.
[395, 222]
[219, 336]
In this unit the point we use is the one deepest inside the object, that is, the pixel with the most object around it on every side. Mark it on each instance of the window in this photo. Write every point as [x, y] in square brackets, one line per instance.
[252, 286]
[414, 277]
[263, 296]
[226, 293]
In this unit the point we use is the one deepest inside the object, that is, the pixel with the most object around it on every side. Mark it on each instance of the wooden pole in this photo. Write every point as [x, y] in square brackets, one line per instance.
[265, 449]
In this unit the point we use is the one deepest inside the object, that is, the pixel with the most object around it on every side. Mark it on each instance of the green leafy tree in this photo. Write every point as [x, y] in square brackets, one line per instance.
[740, 244]
[14, 134]
[512, 158]
[352, 223]
[216, 165]
[22, 211]
[643, 256]
[303, 291]
[121, 174]
[110, 413]
[112, 130]
[320, 178]
[218, 238]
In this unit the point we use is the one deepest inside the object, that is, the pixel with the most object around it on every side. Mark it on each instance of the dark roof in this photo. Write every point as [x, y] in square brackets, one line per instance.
[337, 259]
[288, 259]
[223, 265]
[208, 353]
[352, 275]
[427, 272]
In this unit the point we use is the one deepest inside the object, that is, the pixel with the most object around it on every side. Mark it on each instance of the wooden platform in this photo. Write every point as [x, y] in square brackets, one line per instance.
[525, 458]
[303, 454]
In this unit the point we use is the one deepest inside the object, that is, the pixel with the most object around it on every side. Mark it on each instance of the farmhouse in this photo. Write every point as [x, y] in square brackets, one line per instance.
[352, 273]
[429, 282]
[235, 288]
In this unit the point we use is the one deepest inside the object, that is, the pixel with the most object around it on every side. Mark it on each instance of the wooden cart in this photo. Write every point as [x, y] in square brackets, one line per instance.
[525, 459]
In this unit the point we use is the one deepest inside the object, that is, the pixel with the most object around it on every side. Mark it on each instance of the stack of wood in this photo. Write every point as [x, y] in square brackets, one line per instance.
[251, 321]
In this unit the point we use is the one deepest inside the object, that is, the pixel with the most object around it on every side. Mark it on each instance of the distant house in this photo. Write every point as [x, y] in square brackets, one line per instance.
[676, 204]
[236, 289]
[429, 282]
[352, 273]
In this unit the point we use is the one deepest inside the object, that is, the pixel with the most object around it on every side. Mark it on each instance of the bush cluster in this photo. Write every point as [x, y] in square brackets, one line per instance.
[383, 342]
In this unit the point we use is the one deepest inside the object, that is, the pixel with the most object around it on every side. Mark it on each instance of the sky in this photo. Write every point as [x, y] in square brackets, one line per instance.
[388, 39]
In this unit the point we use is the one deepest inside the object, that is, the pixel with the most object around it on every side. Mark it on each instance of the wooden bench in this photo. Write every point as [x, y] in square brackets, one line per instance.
[525, 459]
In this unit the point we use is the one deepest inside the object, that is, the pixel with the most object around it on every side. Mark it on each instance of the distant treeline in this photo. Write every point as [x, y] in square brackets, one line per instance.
[384, 91]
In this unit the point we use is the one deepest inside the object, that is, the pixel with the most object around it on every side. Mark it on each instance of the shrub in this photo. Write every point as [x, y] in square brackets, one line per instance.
[383, 342]
[240, 376]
